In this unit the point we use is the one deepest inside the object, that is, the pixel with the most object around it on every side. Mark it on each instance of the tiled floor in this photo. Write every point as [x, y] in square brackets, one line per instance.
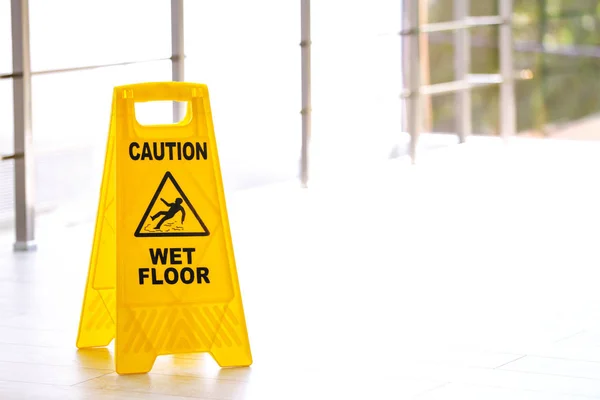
[471, 276]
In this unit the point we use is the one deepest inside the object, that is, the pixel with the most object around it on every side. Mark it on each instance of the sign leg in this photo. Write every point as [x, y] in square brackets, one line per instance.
[98, 313]
[133, 363]
[231, 347]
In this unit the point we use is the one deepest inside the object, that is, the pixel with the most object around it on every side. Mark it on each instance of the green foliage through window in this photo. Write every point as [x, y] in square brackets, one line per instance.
[558, 41]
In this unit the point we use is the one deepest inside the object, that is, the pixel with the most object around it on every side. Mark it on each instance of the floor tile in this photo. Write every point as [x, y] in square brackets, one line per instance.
[521, 380]
[454, 391]
[100, 358]
[168, 385]
[47, 374]
[555, 366]
[441, 280]
[30, 391]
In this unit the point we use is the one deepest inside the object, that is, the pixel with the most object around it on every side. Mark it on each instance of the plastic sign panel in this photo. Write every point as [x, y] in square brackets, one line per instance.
[162, 277]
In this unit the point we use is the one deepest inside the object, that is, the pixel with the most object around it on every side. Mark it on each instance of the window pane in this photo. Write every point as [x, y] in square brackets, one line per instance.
[6, 116]
[570, 86]
[485, 54]
[441, 58]
[356, 84]
[68, 33]
[485, 110]
[251, 65]
[484, 7]
[440, 10]
[443, 113]
[5, 38]
[529, 108]
[7, 193]
[71, 114]
[6, 147]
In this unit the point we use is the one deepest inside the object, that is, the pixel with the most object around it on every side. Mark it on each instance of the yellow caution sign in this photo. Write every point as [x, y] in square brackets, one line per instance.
[162, 277]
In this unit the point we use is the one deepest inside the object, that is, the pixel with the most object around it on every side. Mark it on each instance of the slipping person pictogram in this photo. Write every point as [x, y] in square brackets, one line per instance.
[168, 224]
[174, 208]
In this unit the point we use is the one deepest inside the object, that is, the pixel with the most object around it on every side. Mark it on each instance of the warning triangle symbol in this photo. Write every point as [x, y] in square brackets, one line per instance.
[170, 213]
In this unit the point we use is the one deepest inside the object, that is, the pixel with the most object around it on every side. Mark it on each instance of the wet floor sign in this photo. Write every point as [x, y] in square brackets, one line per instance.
[162, 276]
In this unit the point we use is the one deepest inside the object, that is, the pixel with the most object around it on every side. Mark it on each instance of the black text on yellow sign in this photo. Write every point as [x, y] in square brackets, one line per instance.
[162, 277]
[172, 275]
[159, 151]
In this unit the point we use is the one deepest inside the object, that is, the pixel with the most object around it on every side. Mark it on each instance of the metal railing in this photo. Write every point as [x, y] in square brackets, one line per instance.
[464, 82]
[412, 93]
[23, 138]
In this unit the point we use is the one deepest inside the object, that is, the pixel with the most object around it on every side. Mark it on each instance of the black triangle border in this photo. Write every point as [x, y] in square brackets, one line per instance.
[138, 231]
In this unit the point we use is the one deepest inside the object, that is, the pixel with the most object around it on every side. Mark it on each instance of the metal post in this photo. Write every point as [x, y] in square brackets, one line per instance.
[24, 163]
[425, 65]
[540, 65]
[462, 67]
[177, 53]
[306, 90]
[411, 72]
[507, 94]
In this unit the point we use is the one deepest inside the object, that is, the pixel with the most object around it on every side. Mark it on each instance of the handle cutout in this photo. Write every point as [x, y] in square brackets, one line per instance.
[162, 112]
